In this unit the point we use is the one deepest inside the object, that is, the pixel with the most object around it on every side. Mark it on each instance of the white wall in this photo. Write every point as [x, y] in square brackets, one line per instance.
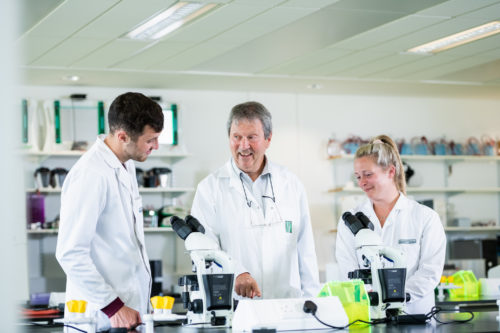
[302, 125]
[13, 281]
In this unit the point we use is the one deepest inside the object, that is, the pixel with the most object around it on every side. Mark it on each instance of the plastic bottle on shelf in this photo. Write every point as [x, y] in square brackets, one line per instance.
[333, 147]
[35, 211]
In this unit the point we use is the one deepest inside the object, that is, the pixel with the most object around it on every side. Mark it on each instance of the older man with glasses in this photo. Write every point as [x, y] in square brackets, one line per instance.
[258, 212]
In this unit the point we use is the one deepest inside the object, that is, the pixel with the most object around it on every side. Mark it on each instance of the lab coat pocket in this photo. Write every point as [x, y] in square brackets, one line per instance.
[286, 233]
[138, 208]
[139, 219]
[411, 249]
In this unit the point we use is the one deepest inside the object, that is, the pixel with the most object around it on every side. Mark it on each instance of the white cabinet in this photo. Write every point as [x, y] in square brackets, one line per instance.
[45, 273]
[463, 188]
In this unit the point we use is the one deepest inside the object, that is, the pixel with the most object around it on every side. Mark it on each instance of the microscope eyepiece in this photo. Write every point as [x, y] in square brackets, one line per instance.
[365, 220]
[194, 224]
[180, 227]
[352, 222]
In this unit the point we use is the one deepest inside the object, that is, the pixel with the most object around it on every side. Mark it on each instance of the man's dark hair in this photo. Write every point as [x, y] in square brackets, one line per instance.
[132, 111]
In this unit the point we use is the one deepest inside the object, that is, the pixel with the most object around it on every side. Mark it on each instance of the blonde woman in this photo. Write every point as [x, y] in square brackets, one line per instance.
[400, 222]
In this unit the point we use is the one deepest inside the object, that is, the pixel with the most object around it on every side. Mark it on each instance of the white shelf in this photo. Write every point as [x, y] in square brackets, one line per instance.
[81, 152]
[431, 157]
[44, 190]
[55, 231]
[170, 157]
[172, 190]
[471, 229]
[62, 153]
[165, 189]
[42, 231]
[426, 190]
[457, 229]
[158, 230]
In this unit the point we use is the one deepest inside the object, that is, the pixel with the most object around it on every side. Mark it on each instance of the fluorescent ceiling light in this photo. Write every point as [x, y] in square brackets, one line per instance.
[72, 78]
[458, 39]
[169, 20]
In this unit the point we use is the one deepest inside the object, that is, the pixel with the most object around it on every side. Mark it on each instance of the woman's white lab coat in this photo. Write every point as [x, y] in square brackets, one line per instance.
[417, 231]
[280, 256]
[101, 238]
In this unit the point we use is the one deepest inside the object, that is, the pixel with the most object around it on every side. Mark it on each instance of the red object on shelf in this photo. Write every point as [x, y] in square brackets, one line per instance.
[45, 313]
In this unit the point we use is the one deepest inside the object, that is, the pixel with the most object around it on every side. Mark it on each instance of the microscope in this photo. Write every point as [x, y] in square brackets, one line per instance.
[382, 267]
[208, 294]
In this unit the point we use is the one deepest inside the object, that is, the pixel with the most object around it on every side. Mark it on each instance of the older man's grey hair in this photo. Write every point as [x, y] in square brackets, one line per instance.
[251, 111]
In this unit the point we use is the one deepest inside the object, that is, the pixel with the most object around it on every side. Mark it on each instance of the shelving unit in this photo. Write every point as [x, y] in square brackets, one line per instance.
[468, 185]
[430, 158]
[39, 156]
[45, 272]
[55, 231]
[426, 190]
[171, 191]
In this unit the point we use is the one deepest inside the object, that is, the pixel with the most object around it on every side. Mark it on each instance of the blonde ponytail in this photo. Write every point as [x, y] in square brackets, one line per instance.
[384, 152]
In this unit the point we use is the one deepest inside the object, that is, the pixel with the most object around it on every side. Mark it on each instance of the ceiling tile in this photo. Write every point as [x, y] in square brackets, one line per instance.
[32, 47]
[308, 3]
[489, 13]
[477, 47]
[454, 8]
[259, 3]
[486, 72]
[122, 18]
[60, 24]
[493, 83]
[187, 59]
[381, 64]
[266, 22]
[315, 31]
[427, 34]
[307, 61]
[389, 31]
[350, 61]
[153, 55]
[110, 54]
[33, 12]
[63, 22]
[420, 63]
[435, 72]
[404, 7]
[216, 22]
[69, 51]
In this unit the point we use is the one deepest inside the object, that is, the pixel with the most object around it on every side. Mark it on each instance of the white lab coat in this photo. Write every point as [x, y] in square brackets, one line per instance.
[282, 263]
[417, 231]
[101, 238]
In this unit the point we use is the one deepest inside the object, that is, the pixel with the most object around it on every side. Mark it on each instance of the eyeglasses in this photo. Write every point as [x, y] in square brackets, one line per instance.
[249, 202]
[254, 219]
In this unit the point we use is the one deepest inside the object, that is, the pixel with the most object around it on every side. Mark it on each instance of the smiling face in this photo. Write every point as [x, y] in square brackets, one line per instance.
[376, 182]
[141, 148]
[248, 146]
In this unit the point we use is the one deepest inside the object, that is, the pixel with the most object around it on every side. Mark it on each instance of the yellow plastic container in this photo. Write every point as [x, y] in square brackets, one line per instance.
[470, 286]
[168, 302]
[352, 295]
[76, 306]
[157, 302]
